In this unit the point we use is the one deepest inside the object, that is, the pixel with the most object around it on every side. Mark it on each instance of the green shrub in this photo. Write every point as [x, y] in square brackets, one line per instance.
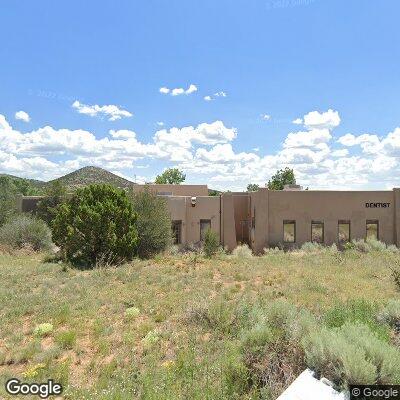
[329, 353]
[242, 251]
[43, 329]
[26, 231]
[392, 248]
[150, 339]
[366, 246]
[153, 223]
[391, 313]
[352, 354]
[54, 197]
[361, 245]
[256, 338]
[376, 245]
[8, 201]
[356, 311]
[395, 272]
[211, 243]
[97, 225]
[385, 357]
[132, 312]
[66, 339]
[311, 247]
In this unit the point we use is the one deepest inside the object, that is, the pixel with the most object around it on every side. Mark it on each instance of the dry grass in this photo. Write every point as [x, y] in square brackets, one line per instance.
[105, 356]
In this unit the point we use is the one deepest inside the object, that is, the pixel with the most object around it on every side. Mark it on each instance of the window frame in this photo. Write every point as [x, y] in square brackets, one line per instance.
[371, 222]
[315, 222]
[204, 221]
[177, 223]
[289, 222]
[343, 222]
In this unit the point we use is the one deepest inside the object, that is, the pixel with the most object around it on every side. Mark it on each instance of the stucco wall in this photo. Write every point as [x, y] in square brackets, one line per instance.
[206, 207]
[175, 190]
[329, 207]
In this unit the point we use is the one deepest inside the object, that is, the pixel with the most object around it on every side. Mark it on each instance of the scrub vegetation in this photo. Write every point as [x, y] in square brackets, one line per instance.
[181, 326]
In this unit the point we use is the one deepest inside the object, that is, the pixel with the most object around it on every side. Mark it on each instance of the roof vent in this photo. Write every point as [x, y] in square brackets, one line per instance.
[292, 187]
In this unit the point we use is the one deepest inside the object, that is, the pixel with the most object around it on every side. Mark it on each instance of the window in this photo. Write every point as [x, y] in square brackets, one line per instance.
[205, 225]
[343, 231]
[289, 231]
[372, 229]
[176, 231]
[317, 232]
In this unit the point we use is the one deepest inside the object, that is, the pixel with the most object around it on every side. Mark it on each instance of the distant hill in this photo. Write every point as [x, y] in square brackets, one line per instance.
[77, 179]
[34, 183]
[89, 175]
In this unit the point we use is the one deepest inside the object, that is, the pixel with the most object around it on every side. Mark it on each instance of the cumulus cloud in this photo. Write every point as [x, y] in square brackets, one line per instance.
[206, 152]
[23, 116]
[317, 120]
[309, 138]
[215, 95]
[369, 143]
[265, 117]
[179, 91]
[112, 112]
[205, 133]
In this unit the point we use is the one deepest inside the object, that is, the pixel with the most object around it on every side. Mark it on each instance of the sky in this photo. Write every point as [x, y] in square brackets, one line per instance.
[227, 91]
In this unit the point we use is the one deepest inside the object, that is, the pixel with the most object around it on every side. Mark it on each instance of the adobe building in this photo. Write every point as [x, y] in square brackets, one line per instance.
[268, 218]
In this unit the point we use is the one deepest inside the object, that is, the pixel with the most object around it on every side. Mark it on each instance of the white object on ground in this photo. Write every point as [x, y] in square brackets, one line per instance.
[307, 387]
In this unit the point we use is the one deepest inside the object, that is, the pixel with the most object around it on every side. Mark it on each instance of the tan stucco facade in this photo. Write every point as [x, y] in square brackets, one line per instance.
[257, 218]
[272, 208]
[173, 190]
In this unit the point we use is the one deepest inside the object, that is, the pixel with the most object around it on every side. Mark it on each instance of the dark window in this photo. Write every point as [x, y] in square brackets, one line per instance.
[205, 225]
[289, 231]
[177, 231]
[343, 231]
[372, 229]
[317, 232]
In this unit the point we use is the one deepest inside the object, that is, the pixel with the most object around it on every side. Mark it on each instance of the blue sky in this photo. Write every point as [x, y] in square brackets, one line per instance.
[333, 65]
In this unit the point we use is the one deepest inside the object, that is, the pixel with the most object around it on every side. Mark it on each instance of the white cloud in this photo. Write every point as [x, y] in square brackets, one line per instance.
[266, 117]
[160, 123]
[369, 143]
[179, 91]
[213, 96]
[23, 116]
[340, 153]
[206, 152]
[316, 120]
[307, 138]
[207, 134]
[112, 112]
[192, 88]
[122, 134]
[391, 144]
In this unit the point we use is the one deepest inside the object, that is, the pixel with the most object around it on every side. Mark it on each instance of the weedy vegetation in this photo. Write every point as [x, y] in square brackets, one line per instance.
[225, 326]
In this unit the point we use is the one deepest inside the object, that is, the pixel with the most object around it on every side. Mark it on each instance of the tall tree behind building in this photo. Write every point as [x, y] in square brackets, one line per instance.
[281, 178]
